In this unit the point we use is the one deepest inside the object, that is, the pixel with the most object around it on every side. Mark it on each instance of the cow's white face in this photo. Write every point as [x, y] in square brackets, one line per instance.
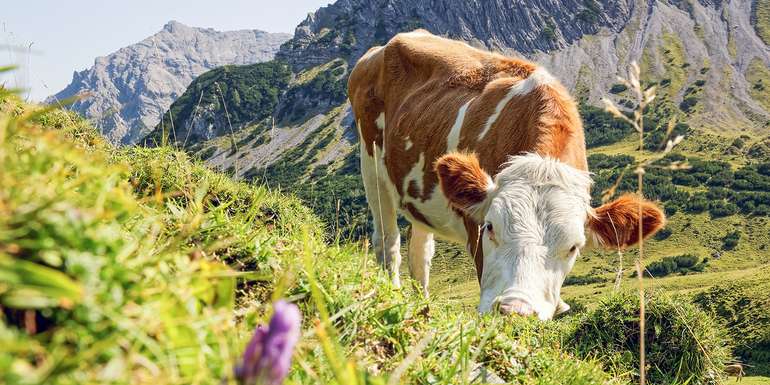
[533, 232]
[537, 217]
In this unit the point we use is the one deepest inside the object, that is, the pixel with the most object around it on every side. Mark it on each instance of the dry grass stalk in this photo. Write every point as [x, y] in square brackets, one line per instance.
[635, 118]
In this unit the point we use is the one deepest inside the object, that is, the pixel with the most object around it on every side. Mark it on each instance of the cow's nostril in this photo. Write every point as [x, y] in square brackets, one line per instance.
[516, 306]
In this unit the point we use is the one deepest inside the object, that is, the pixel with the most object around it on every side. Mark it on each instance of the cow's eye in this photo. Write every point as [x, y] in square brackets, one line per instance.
[490, 232]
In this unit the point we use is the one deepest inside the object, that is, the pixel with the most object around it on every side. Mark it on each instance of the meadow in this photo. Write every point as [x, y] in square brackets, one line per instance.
[141, 265]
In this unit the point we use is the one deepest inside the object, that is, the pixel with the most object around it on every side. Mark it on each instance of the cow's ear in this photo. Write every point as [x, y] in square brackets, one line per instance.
[616, 224]
[464, 183]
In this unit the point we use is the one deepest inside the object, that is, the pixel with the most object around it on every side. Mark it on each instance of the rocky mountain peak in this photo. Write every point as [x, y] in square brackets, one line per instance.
[128, 90]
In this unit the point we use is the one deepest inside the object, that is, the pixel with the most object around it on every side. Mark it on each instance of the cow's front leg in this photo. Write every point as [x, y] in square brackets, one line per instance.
[421, 249]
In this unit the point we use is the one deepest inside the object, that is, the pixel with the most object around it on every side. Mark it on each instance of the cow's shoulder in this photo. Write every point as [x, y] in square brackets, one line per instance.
[420, 55]
[367, 71]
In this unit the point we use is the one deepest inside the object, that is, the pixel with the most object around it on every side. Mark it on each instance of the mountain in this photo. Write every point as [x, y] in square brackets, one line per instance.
[127, 91]
[707, 57]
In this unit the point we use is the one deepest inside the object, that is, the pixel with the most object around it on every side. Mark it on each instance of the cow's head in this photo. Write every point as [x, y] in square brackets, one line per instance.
[537, 217]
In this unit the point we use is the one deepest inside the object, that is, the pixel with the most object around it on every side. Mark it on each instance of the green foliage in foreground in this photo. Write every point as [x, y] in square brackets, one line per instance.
[111, 260]
[141, 266]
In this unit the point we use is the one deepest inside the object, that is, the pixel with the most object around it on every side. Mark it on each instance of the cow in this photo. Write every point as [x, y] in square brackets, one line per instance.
[487, 151]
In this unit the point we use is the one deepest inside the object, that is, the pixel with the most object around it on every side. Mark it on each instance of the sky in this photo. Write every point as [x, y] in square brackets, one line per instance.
[50, 39]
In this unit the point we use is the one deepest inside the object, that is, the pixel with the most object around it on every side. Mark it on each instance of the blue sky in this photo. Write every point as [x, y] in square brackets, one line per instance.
[67, 35]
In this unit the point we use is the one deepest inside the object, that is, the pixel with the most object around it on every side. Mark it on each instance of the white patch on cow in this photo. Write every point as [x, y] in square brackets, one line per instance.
[454, 134]
[408, 144]
[538, 78]
[415, 175]
[538, 213]
[380, 121]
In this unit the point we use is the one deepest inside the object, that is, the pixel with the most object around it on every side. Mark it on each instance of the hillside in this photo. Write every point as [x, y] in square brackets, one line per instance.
[141, 265]
[127, 91]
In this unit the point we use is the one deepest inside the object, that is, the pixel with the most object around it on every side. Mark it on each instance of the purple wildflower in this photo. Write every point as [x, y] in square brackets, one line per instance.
[267, 358]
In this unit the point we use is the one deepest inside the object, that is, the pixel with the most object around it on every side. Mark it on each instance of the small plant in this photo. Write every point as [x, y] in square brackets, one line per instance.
[730, 241]
[618, 88]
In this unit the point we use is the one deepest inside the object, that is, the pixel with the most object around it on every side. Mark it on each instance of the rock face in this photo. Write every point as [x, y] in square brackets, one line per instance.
[127, 91]
[348, 28]
[586, 43]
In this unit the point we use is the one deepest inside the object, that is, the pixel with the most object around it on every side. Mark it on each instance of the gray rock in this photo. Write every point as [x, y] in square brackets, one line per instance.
[126, 92]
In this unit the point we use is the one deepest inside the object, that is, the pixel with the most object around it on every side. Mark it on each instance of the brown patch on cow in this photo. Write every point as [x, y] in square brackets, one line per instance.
[477, 77]
[462, 180]
[366, 104]
[416, 214]
[616, 224]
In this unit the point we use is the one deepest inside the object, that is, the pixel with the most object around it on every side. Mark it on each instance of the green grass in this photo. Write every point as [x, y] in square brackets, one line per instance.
[758, 76]
[761, 17]
[141, 265]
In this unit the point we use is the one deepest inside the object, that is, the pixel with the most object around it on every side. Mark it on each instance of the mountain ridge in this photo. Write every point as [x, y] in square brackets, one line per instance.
[128, 90]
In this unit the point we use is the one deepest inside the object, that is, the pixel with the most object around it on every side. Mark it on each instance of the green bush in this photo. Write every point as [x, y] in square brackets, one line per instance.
[684, 344]
[618, 88]
[682, 264]
[742, 307]
[730, 241]
[586, 279]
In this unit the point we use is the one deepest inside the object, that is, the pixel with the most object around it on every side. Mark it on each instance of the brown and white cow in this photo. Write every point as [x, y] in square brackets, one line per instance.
[473, 145]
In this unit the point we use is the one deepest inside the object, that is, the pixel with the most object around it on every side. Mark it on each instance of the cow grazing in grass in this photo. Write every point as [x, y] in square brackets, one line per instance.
[487, 151]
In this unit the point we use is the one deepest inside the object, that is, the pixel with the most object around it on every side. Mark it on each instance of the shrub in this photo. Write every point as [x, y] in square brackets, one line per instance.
[684, 344]
[586, 279]
[663, 233]
[742, 307]
[681, 264]
[250, 91]
[719, 209]
[688, 103]
[730, 241]
[618, 88]
[601, 127]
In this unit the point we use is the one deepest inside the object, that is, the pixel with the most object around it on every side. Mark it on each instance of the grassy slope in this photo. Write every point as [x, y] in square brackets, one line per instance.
[762, 17]
[163, 238]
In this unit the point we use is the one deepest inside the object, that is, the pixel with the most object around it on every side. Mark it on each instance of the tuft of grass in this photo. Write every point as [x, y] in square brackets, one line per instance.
[684, 344]
[742, 307]
[758, 76]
